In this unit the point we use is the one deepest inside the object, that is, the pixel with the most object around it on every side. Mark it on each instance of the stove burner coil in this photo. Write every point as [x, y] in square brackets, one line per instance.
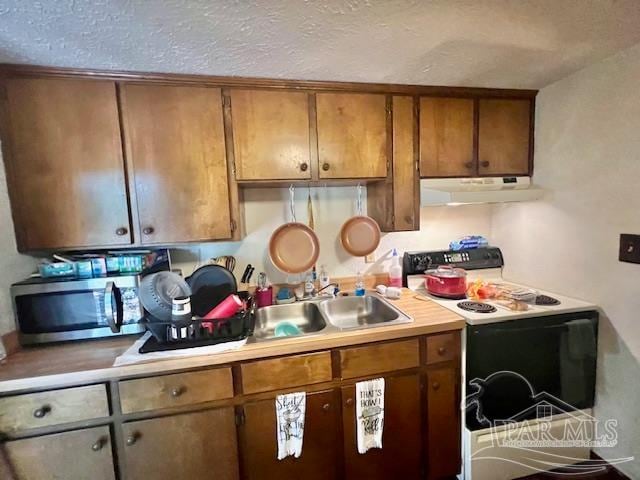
[546, 300]
[477, 307]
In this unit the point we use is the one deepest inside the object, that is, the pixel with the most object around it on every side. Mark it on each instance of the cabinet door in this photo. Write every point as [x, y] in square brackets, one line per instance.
[69, 456]
[504, 137]
[270, 135]
[191, 445]
[352, 135]
[63, 158]
[401, 449]
[320, 447]
[443, 422]
[175, 144]
[446, 137]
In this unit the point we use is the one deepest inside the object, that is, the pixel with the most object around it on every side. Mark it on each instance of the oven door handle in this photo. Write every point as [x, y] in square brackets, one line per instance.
[113, 307]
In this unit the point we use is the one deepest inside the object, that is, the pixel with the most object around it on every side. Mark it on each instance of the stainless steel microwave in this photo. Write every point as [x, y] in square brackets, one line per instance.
[60, 310]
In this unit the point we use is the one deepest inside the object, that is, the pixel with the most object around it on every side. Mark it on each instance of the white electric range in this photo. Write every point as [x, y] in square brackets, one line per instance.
[537, 344]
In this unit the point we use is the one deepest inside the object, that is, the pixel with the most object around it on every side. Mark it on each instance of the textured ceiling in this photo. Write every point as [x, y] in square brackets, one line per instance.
[491, 43]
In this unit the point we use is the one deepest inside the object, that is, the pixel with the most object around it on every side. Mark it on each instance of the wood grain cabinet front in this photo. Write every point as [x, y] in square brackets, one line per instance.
[401, 452]
[175, 390]
[175, 144]
[442, 449]
[285, 372]
[504, 136]
[73, 455]
[379, 358]
[320, 448]
[271, 135]
[352, 135]
[63, 157]
[191, 446]
[55, 407]
[446, 137]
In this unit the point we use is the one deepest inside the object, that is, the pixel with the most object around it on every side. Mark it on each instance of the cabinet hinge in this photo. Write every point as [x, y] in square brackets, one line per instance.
[233, 225]
[226, 101]
[240, 417]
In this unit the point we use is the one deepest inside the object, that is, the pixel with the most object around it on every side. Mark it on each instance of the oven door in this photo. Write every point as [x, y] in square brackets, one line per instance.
[77, 309]
[517, 369]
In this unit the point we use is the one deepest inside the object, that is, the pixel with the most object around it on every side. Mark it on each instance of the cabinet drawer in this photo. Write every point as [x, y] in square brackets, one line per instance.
[43, 409]
[74, 455]
[383, 357]
[175, 390]
[285, 372]
[443, 347]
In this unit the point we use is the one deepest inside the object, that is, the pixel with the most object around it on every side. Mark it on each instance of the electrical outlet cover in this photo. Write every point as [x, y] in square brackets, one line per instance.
[629, 248]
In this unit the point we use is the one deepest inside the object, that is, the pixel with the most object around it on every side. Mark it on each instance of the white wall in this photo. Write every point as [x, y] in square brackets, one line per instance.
[588, 157]
[266, 209]
[13, 266]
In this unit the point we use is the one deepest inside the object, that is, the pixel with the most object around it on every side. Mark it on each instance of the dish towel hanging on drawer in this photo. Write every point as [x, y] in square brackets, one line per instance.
[290, 410]
[370, 413]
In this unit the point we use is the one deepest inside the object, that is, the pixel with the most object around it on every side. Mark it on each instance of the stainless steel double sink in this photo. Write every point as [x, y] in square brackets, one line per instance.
[320, 316]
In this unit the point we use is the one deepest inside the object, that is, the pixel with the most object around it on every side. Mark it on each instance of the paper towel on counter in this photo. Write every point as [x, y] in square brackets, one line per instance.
[290, 412]
[370, 414]
[131, 355]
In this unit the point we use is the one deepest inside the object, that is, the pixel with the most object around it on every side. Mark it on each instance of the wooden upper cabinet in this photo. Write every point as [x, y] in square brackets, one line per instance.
[446, 137]
[504, 136]
[174, 137]
[271, 135]
[191, 446]
[352, 135]
[63, 157]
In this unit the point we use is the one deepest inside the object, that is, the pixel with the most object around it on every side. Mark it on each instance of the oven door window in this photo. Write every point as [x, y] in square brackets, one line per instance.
[514, 367]
[71, 310]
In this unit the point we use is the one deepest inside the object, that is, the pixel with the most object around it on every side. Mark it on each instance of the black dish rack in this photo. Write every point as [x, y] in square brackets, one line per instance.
[231, 329]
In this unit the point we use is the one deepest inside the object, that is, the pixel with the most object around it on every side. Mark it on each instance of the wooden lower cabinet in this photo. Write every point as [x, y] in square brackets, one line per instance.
[320, 448]
[400, 456]
[74, 455]
[191, 446]
[443, 422]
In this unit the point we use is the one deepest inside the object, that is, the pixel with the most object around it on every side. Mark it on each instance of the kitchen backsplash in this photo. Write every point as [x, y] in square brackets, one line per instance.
[266, 209]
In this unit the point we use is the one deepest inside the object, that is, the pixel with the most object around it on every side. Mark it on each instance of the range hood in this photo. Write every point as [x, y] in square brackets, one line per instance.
[456, 191]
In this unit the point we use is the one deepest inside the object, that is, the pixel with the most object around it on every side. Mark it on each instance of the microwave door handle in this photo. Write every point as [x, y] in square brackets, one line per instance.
[113, 299]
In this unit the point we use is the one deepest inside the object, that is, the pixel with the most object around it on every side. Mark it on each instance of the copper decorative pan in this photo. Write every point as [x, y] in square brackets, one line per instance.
[294, 248]
[360, 235]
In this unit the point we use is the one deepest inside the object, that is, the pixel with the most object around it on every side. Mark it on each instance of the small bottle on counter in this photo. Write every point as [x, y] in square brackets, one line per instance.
[324, 277]
[359, 290]
[395, 271]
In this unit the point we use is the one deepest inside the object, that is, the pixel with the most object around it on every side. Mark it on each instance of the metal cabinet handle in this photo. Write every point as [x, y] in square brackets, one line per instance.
[132, 439]
[435, 385]
[326, 407]
[484, 163]
[96, 447]
[349, 401]
[147, 230]
[42, 411]
[304, 166]
[442, 351]
[325, 166]
[121, 231]
[177, 391]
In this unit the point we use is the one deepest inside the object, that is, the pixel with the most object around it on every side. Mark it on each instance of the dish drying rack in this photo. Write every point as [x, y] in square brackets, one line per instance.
[200, 332]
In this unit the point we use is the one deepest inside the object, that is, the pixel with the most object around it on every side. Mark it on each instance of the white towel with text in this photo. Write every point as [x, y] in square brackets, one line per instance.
[370, 413]
[290, 410]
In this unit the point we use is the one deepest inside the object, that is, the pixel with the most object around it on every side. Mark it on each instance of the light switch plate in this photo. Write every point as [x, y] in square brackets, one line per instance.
[629, 248]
